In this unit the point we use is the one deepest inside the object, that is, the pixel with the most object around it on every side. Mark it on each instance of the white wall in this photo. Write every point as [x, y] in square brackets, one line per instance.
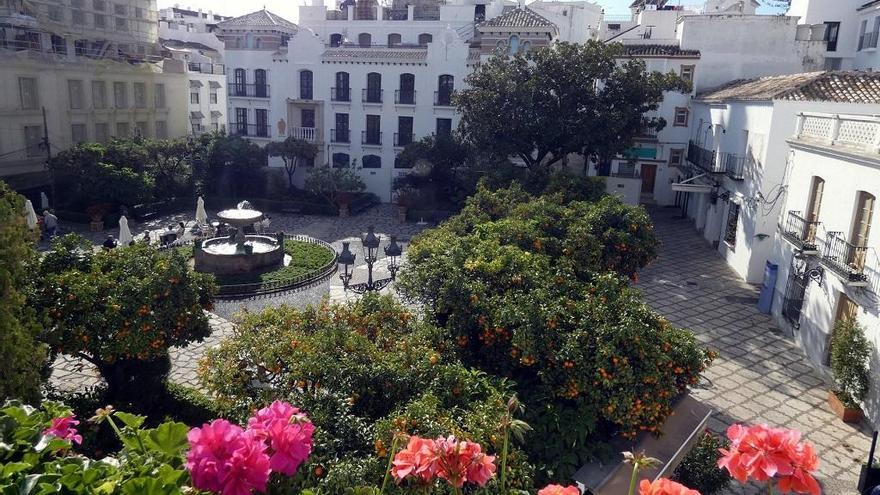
[868, 57]
[627, 189]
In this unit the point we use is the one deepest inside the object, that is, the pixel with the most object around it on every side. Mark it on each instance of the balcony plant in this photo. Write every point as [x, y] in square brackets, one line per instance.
[850, 351]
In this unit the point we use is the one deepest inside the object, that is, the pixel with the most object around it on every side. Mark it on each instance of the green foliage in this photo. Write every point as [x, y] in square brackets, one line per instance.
[440, 166]
[92, 173]
[850, 351]
[170, 166]
[573, 98]
[293, 152]
[305, 257]
[362, 372]
[531, 288]
[234, 159]
[22, 356]
[699, 469]
[335, 184]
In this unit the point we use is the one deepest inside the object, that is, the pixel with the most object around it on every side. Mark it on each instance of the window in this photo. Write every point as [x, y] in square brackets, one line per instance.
[341, 160]
[27, 87]
[861, 230]
[121, 24]
[160, 96]
[59, 45]
[340, 133]
[832, 29]
[681, 117]
[687, 73]
[445, 86]
[140, 95]
[138, 13]
[335, 39]
[404, 131]
[525, 47]
[98, 5]
[239, 82]
[407, 92]
[444, 127]
[100, 21]
[371, 161]
[77, 4]
[212, 97]
[863, 27]
[56, 13]
[305, 85]
[341, 90]
[374, 88]
[732, 221]
[262, 117]
[364, 39]
[120, 9]
[241, 121]
[513, 44]
[394, 39]
[425, 38]
[75, 94]
[79, 17]
[140, 129]
[675, 156]
[122, 129]
[373, 134]
[33, 138]
[215, 126]
[307, 117]
[120, 96]
[261, 89]
[161, 129]
[194, 97]
[817, 188]
[102, 133]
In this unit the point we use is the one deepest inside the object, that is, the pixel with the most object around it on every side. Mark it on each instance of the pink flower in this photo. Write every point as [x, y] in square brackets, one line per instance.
[417, 459]
[288, 432]
[804, 461]
[457, 462]
[559, 490]
[664, 486]
[225, 459]
[63, 428]
[481, 467]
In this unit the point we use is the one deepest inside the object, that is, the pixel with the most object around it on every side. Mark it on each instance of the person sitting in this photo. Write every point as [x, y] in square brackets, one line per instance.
[181, 229]
[50, 222]
[147, 239]
[264, 225]
[168, 235]
[109, 243]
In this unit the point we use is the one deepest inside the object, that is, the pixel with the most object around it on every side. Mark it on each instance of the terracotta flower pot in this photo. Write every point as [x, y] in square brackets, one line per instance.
[846, 414]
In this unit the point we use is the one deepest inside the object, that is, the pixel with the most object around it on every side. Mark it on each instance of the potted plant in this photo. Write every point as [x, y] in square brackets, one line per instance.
[850, 351]
[96, 213]
[405, 197]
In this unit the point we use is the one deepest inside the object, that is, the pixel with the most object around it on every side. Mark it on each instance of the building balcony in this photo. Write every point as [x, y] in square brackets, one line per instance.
[734, 165]
[405, 97]
[800, 232]
[371, 138]
[207, 68]
[309, 134]
[859, 134]
[340, 136]
[704, 159]
[442, 98]
[250, 130]
[340, 94]
[248, 90]
[845, 259]
[402, 139]
[371, 95]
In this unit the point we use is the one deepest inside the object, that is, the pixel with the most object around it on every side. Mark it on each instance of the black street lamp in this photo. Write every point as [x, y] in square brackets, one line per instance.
[370, 244]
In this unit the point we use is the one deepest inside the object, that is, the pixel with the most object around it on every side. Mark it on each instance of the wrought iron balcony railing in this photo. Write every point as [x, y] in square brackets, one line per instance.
[799, 231]
[250, 130]
[405, 97]
[340, 136]
[442, 98]
[844, 258]
[340, 94]
[207, 68]
[371, 95]
[704, 159]
[249, 90]
[371, 137]
[734, 165]
[402, 139]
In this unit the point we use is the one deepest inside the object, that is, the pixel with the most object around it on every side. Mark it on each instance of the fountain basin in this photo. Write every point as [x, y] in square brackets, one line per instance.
[224, 256]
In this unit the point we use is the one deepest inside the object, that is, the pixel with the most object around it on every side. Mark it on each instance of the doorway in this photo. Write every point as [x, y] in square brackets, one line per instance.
[649, 176]
[847, 309]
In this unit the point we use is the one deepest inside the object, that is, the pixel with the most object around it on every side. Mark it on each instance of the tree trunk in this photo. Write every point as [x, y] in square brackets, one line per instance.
[135, 380]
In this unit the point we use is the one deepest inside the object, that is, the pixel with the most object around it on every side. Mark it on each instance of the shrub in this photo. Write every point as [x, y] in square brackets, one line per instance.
[699, 469]
[22, 356]
[850, 351]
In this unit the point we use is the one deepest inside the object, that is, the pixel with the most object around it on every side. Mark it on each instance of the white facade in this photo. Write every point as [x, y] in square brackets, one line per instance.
[182, 19]
[838, 22]
[834, 162]
[868, 21]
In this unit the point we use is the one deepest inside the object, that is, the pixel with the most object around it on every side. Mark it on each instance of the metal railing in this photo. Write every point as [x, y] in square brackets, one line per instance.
[845, 258]
[403, 139]
[340, 94]
[371, 137]
[793, 300]
[703, 158]
[309, 134]
[734, 165]
[800, 231]
[250, 130]
[371, 95]
[340, 136]
[249, 90]
[405, 97]
[442, 98]
[207, 68]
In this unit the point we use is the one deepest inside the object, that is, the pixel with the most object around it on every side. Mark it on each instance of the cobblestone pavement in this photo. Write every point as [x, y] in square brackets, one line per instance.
[761, 375]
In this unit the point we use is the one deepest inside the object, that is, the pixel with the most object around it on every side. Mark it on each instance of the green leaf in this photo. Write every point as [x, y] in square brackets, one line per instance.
[131, 420]
[168, 438]
[13, 468]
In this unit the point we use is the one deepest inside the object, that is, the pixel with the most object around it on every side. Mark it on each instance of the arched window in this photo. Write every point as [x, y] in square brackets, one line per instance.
[261, 89]
[341, 160]
[445, 86]
[341, 92]
[371, 161]
[513, 44]
[364, 39]
[407, 92]
[305, 85]
[394, 39]
[239, 82]
[249, 40]
[335, 39]
[373, 93]
[525, 47]
[425, 38]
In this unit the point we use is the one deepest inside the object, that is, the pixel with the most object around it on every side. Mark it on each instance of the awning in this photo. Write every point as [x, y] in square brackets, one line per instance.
[214, 84]
[195, 84]
[694, 187]
[640, 152]
[196, 115]
[216, 114]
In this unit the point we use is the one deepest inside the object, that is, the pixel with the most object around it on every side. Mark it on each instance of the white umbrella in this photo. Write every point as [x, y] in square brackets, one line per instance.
[201, 214]
[29, 214]
[44, 201]
[125, 237]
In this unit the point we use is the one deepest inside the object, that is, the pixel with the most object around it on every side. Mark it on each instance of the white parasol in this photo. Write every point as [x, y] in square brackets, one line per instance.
[30, 214]
[201, 214]
[125, 237]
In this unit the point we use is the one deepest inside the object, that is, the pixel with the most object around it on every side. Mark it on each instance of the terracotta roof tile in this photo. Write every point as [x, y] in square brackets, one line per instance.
[841, 87]
[259, 18]
[659, 51]
[520, 17]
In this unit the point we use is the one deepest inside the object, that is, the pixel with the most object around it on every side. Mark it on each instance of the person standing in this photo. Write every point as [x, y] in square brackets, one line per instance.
[50, 222]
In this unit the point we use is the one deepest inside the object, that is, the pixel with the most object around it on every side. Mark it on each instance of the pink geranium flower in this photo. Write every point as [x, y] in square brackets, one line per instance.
[664, 486]
[559, 490]
[417, 459]
[225, 459]
[63, 428]
[457, 462]
[288, 432]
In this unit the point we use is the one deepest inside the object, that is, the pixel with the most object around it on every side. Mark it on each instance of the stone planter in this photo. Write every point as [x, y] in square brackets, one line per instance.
[96, 225]
[846, 414]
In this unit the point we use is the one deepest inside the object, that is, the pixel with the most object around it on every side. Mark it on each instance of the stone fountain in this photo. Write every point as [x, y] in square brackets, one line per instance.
[239, 252]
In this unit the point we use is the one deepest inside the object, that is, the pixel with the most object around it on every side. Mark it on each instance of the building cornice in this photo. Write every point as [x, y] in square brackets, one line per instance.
[860, 157]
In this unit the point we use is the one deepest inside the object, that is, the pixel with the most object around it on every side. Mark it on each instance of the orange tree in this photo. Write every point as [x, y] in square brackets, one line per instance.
[536, 289]
[120, 310]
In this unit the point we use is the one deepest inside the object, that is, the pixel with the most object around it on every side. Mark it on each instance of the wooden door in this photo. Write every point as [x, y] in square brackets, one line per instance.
[847, 309]
[649, 175]
[814, 207]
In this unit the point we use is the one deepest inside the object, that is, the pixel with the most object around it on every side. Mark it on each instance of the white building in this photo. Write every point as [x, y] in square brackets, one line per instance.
[838, 21]
[868, 21]
[738, 154]
[178, 18]
[825, 247]
[94, 67]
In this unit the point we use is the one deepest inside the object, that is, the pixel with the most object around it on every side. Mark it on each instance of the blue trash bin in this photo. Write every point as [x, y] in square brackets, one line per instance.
[765, 301]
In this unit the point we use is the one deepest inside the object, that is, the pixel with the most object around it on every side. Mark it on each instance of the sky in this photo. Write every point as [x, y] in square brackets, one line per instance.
[288, 8]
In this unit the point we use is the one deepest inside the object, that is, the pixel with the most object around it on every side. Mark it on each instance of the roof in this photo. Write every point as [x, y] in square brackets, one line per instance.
[838, 86]
[179, 44]
[403, 54]
[670, 51]
[520, 18]
[259, 18]
[869, 4]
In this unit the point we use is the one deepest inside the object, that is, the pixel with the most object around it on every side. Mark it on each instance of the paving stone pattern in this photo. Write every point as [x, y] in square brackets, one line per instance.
[761, 376]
